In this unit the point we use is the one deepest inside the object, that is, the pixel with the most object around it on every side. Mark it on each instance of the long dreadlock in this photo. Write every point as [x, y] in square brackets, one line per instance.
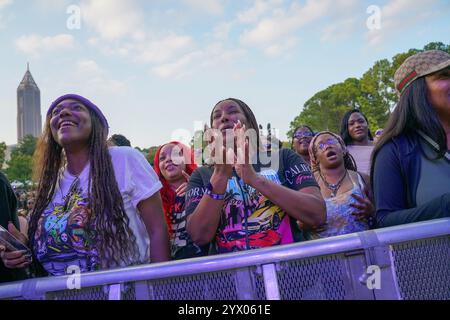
[108, 224]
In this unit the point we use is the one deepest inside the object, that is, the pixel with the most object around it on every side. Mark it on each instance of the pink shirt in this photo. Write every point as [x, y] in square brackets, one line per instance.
[361, 154]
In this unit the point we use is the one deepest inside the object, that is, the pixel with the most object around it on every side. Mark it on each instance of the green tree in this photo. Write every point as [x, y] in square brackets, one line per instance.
[26, 146]
[150, 154]
[325, 109]
[437, 46]
[19, 167]
[374, 94]
[2, 154]
[378, 94]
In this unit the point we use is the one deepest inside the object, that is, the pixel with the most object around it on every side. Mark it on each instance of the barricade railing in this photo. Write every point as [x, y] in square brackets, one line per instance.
[404, 262]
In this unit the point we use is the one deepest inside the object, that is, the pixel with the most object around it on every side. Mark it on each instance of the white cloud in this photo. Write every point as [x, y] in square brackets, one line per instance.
[35, 45]
[177, 68]
[400, 15]
[278, 33]
[259, 8]
[4, 3]
[54, 5]
[213, 7]
[284, 22]
[164, 49]
[222, 30]
[95, 80]
[113, 19]
[279, 48]
[339, 30]
[213, 55]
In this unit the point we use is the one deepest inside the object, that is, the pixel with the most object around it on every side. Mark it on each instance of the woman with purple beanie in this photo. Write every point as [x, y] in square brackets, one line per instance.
[96, 207]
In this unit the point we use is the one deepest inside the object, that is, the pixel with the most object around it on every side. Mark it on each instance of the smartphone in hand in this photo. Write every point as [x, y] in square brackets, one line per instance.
[13, 244]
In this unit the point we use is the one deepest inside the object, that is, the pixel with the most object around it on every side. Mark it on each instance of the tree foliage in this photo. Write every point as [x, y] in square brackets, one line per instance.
[2, 154]
[19, 167]
[374, 94]
[26, 146]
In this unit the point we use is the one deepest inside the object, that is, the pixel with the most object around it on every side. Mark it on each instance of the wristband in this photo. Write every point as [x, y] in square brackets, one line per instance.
[214, 196]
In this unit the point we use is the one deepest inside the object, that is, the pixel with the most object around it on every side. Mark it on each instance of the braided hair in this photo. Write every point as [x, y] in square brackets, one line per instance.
[108, 223]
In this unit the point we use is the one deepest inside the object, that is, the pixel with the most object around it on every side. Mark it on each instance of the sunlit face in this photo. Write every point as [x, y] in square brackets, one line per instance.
[226, 114]
[358, 127]
[70, 123]
[302, 139]
[328, 151]
[172, 162]
[438, 87]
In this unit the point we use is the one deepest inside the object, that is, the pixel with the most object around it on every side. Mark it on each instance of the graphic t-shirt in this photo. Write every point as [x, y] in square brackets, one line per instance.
[249, 220]
[181, 245]
[63, 239]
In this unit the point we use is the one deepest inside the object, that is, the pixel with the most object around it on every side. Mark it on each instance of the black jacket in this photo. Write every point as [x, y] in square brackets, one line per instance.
[8, 212]
[395, 180]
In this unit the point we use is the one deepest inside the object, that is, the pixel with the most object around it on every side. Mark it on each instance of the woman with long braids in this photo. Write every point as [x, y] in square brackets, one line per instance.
[174, 164]
[346, 191]
[96, 208]
[411, 161]
[242, 202]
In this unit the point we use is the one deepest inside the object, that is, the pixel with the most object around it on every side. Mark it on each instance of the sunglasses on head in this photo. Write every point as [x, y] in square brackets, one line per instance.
[329, 142]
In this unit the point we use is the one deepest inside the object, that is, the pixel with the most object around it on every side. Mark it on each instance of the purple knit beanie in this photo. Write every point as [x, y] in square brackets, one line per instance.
[88, 104]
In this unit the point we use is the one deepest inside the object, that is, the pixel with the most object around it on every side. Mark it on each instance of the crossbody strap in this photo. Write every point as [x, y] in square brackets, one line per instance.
[433, 144]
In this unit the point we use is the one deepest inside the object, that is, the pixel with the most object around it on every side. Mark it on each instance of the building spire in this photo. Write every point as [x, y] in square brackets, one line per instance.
[28, 78]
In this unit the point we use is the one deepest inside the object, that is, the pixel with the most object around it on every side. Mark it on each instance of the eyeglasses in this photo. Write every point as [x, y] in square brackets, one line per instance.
[306, 134]
[73, 106]
[330, 142]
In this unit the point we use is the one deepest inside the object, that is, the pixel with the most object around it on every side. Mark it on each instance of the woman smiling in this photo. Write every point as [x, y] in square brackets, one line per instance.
[96, 208]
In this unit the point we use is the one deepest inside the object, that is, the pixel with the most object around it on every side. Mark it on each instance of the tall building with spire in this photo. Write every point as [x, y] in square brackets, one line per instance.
[29, 121]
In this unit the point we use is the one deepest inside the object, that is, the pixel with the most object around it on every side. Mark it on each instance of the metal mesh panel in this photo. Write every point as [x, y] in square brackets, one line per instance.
[259, 285]
[129, 292]
[320, 278]
[92, 293]
[222, 285]
[423, 268]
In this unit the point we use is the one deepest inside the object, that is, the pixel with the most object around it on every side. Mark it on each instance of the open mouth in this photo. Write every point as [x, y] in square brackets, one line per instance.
[331, 154]
[170, 167]
[66, 124]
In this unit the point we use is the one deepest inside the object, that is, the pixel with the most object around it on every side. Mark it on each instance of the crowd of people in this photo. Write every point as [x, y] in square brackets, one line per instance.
[99, 204]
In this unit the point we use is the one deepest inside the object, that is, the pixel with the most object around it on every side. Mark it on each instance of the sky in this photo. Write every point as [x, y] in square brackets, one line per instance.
[157, 67]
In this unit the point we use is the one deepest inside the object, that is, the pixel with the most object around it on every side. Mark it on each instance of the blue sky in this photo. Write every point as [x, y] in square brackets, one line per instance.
[158, 66]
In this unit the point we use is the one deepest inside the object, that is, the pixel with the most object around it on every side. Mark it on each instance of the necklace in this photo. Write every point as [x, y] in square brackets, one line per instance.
[333, 187]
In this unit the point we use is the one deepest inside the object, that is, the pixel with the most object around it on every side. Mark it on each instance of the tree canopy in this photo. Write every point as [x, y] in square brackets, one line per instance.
[374, 94]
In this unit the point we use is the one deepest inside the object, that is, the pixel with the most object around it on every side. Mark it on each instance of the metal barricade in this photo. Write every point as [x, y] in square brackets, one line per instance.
[403, 262]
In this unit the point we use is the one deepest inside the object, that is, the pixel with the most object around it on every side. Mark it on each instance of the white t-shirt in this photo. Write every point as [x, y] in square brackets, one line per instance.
[362, 155]
[61, 238]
